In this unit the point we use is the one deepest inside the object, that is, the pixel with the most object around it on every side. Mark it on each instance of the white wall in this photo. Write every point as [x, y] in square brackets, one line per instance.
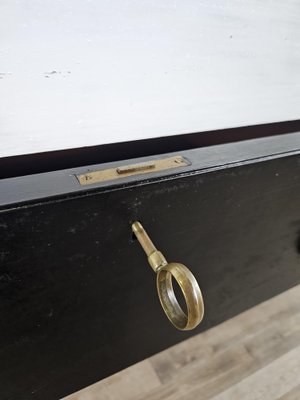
[130, 69]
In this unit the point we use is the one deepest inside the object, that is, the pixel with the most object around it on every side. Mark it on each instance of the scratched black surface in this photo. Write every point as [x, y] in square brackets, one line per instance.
[78, 299]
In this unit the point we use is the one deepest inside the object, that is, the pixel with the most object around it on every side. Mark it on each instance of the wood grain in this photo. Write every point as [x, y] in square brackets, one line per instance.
[254, 356]
[291, 395]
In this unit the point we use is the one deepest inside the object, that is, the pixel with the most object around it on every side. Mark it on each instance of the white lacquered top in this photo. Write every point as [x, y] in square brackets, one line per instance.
[81, 73]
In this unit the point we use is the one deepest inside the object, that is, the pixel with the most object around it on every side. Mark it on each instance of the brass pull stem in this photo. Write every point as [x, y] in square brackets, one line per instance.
[165, 272]
[155, 257]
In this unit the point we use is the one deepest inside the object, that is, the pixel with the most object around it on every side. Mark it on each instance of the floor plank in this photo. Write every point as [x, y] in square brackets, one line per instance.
[293, 394]
[276, 379]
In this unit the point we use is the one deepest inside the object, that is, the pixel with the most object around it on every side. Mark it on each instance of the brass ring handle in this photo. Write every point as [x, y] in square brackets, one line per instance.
[165, 272]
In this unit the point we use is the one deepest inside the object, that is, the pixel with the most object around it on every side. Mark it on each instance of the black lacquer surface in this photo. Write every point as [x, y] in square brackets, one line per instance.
[78, 300]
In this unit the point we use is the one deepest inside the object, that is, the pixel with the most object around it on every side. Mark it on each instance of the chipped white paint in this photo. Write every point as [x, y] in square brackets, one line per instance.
[79, 73]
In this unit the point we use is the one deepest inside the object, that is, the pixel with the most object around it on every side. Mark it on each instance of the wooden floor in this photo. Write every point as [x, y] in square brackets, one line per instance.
[254, 356]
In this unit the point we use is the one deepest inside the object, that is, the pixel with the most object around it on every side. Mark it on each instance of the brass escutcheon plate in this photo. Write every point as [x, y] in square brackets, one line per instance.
[122, 171]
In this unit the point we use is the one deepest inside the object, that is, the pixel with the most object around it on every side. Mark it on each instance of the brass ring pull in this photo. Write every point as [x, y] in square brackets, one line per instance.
[165, 272]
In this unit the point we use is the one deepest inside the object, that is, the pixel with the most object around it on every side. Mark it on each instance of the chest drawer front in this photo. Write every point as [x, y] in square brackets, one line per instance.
[78, 300]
